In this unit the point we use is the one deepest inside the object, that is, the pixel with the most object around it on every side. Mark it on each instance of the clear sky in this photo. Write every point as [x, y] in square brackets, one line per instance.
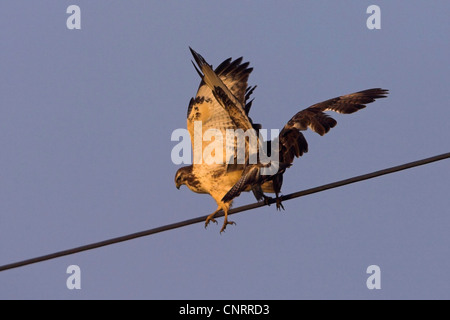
[86, 118]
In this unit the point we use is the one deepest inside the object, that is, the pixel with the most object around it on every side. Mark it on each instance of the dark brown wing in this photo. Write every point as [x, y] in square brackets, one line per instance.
[293, 144]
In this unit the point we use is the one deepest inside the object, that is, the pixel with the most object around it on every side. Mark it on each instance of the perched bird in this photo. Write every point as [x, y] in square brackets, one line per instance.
[223, 103]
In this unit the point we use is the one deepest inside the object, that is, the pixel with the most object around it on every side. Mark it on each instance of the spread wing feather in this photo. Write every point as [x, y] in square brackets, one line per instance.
[292, 142]
[221, 101]
[228, 86]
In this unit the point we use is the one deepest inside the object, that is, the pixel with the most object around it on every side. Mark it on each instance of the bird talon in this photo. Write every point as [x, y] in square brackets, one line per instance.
[225, 223]
[279, 204]
[208, 220]
[267, 200]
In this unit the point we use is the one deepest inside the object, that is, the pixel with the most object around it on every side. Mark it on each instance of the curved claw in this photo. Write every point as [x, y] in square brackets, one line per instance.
[279, 204]
[267, 200]
[225, 223]
[208, 220]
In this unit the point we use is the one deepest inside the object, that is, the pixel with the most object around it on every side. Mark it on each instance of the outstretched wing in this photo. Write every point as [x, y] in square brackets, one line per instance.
[293, 144]
[221, 101]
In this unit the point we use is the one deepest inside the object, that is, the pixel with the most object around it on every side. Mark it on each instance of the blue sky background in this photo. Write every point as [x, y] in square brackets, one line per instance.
[86, 118]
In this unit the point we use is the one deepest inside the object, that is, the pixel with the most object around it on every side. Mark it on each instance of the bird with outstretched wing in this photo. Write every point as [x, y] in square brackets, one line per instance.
[223, 103]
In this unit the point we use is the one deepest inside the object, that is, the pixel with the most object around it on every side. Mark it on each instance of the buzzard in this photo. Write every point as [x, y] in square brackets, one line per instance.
[223, 103]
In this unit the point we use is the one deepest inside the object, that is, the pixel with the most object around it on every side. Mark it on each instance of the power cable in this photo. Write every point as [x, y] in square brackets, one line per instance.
[220, 214]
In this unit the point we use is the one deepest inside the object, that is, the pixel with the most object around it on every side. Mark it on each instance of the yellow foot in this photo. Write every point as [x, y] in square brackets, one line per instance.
[210, 219]
[225, 223]
[279, 204]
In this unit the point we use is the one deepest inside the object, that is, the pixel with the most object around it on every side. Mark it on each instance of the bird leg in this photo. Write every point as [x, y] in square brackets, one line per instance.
[268, 200]
[278, 202]
[211, 217]
[225, 221]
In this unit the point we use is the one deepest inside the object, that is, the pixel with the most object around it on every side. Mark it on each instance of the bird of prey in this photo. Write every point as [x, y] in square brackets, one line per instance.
[223, 103]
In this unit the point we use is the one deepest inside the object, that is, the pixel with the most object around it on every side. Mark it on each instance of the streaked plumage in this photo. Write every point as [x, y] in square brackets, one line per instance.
[222, 102]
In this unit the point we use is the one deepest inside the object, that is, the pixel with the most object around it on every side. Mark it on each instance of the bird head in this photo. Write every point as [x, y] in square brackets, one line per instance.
[181, 176]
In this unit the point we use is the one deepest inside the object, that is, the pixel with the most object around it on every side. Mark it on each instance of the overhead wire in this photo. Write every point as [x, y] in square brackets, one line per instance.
[220, 214]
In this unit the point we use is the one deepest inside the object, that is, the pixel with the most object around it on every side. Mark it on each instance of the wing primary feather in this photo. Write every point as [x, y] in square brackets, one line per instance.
[223, 66]
[198, 71]
[198, 58]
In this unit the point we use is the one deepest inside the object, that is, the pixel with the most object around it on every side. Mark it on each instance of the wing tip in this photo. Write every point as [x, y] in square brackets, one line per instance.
[376, 93]
[198, 58]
